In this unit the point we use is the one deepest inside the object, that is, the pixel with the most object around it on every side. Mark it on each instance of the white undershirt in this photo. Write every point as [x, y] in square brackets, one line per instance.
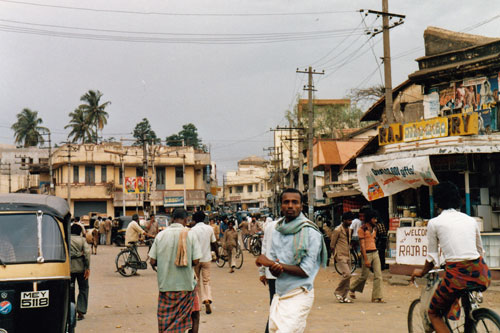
[458, 236]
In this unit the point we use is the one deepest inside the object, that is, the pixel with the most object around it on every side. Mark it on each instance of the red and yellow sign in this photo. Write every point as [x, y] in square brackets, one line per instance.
[453, 125]
[135, 185]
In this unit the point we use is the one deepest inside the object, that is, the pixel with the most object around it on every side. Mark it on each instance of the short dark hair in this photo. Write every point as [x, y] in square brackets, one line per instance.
[291, 190]
[77, 218]
[348, 216]
[135, 217]
[447, 195]
[369, 214]
[199, 216]
[179, 214]
[152, 215]
[76, 229]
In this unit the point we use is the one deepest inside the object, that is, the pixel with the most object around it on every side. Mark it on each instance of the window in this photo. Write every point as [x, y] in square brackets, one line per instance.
[262, 187]
[139, 171]
[121, 176]
[179, 175]
[104, 175]
[230, 189]
[89, 175]
[76, 174]
[249, 188]
[239, 189]
[160, 178]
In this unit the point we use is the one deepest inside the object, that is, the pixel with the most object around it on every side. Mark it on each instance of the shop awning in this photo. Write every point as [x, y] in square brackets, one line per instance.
[343, 193]
[379, 179]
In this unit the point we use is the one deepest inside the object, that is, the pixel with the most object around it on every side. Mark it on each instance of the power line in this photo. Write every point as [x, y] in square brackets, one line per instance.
[116, 11]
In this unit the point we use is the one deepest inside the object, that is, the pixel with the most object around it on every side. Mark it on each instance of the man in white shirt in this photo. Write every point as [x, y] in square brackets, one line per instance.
[265, 275]
[460, 240]
[134, 231]
[206, 238]
[355, 225]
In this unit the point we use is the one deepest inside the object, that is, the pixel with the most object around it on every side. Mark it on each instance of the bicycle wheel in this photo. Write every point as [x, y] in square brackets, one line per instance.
[486, 320]
[238, 258]
[221, 259]
[354, 261]
[123, 262]
[416, 317]
[256, 247]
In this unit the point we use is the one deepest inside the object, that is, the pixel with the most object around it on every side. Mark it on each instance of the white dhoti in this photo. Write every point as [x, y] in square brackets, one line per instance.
[288, 313]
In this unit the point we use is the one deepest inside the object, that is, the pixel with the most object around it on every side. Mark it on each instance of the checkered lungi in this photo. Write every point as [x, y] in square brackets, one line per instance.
[174, 311]
[457, 277]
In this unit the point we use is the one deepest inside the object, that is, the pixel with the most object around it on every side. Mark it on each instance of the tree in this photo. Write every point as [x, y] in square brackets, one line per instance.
[367, 96]
[95, 112]
[81, 129]
[189, 134]
[27, 129]
[144, 129]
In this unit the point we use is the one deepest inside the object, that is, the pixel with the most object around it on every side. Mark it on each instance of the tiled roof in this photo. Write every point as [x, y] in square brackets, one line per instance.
[335, 152]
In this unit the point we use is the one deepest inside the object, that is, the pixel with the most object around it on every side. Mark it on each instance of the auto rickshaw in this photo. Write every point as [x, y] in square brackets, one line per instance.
[35, 264]
[120, 225]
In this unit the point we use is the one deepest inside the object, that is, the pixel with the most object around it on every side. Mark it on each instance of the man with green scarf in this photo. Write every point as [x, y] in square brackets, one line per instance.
[297, 251]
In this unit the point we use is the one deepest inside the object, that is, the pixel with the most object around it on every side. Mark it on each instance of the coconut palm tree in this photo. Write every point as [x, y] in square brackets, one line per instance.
[95, 112]
[27, 129]
[81, 129]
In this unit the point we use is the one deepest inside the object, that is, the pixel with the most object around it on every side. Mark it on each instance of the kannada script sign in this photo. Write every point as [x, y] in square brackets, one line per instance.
[384, 178]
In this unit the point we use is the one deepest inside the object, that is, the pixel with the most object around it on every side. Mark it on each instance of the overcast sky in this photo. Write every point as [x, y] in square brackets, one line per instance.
[227, 66]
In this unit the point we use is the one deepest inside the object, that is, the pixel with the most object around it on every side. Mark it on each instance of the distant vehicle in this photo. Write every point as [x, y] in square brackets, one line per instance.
[163, 221]
[120, 225]
[240, 215]
[253, 210]
[265, 211]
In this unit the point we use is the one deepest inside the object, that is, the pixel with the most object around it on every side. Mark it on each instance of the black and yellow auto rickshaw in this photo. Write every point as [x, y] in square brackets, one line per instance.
[35, 264]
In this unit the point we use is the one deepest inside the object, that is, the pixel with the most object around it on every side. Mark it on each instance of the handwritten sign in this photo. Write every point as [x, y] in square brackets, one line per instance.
[411, 246]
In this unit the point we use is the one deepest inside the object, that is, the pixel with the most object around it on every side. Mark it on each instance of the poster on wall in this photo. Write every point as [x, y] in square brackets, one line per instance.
[383, 178]
[446, 99]
[134, 185]
[431, 104]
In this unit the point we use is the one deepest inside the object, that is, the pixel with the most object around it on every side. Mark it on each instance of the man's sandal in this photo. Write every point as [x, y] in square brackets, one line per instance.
[339, 298]
[345, 300]
[378, 300]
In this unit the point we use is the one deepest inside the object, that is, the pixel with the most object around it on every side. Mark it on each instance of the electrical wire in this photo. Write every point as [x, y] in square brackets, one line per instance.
[116, 11]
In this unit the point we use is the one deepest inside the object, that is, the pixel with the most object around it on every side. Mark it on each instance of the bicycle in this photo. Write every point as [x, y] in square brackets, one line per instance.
[473, 320]
[128, 260]
[223, 258]
[354, 261]
[255, 244]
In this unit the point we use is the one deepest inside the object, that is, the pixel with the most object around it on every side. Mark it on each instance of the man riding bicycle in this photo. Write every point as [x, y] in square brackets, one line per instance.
[460, 241]
[134, 231]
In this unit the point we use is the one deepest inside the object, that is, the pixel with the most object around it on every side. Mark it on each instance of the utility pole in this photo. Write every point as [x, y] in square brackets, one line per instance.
[310, 135]
[51, 188]
[290, 151]
[121, 155]
[145, 173]
[25, 165]
[69, 150]
[386, 16]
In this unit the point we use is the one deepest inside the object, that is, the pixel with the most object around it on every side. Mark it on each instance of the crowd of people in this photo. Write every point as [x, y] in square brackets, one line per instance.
[293, 250]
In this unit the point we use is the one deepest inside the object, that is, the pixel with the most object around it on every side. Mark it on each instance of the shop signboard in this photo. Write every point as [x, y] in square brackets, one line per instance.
[411, 245]
[176, 201]
[134, 184]
[383, 178]
[453, 125]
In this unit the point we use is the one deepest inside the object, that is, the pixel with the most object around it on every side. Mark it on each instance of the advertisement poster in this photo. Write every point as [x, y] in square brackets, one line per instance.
[176, 201]
[446, 99]
[431, 105]
[134, 185]
[384, 178]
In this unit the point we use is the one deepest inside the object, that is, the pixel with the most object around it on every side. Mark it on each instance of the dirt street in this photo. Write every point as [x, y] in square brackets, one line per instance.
[119, 304]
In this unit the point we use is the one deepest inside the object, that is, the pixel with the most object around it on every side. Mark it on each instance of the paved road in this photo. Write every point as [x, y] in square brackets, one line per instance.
[119, 304]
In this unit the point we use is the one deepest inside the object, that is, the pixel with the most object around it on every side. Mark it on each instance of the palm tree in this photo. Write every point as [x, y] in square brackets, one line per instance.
[95, 112]
[81, 129]
[27, 129]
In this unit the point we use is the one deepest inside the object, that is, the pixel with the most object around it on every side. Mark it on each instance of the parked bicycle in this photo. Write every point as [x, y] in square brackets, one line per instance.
[473, 319]
[223, 257]
[255, 244]
[128, 260]
[353, 264]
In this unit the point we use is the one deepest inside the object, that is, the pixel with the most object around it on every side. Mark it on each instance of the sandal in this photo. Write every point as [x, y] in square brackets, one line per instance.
[346, 300]
[339, 298]
[378, 300]
[352, 294]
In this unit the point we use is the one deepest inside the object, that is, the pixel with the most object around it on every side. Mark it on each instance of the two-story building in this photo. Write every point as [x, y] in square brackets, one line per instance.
[110, 178]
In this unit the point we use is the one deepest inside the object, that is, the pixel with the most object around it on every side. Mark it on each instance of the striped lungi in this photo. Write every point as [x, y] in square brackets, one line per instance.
[457, 277]
[174, 311]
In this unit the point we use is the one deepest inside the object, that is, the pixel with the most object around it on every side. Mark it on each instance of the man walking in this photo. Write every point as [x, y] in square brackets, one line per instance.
[108, 226]
[340, 245]
[80, 270]
[371, 260]
[230, 242]
[297, 251]
[206, 238]
[175, 251]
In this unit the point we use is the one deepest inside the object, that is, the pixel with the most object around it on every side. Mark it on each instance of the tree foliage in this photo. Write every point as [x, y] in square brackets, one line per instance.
[27, 129]
[81, 129]
[366, 96]
[143, 131]
[95, 112]
[189, 134]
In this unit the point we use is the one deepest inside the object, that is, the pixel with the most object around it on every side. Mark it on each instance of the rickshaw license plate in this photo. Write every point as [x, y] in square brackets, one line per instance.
[35, 299]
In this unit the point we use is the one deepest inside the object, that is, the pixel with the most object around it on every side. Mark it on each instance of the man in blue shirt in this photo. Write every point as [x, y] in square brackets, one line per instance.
[297, 251]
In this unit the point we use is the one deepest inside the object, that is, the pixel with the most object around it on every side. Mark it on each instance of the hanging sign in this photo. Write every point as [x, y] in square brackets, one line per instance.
[383, 178]
[134, 185]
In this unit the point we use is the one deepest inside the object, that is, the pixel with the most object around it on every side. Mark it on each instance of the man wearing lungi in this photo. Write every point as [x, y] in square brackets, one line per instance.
[175, 251]
[297, 251]
[460, 240]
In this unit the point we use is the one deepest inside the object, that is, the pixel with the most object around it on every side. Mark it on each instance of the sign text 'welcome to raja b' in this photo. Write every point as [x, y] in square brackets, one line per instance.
[453, 125]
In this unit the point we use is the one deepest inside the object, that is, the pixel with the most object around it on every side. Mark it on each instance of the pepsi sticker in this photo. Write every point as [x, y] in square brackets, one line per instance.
[5, 307]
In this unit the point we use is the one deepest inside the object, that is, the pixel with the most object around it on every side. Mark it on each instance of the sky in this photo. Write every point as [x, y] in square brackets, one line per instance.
[227, 66]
